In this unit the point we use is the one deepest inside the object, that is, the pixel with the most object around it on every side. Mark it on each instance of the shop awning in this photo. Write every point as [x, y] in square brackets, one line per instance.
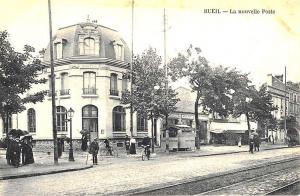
[228, 127]
[217, 131]
[236, 131]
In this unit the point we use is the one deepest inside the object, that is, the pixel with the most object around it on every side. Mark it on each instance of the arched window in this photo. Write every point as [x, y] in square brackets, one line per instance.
[9, 123]
[119, 119]
[142, 124]
[31, 122]
[114, 84]
[89, 46]
[61, 118]
[90, 118]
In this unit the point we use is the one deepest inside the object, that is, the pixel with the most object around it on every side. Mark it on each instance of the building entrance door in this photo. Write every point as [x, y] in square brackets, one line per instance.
[90, 121]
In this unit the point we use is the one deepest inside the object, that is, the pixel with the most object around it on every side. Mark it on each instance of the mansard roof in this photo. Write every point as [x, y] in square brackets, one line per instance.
[70, 36]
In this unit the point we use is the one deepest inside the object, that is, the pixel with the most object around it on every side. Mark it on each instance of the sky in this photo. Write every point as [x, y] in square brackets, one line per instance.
[258, 44]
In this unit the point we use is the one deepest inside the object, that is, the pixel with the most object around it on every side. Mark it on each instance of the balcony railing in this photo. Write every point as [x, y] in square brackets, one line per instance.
[114, 92]
[89, 91]
[65, 92]
[50, 93]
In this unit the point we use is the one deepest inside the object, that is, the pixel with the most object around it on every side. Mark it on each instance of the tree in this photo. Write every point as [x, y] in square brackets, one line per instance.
[214, 86]
[148, 96]
[18, 72]
[255, 104]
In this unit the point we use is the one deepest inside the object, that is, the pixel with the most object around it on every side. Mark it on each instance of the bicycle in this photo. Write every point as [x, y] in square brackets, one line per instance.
[108, 151]
[146, 152]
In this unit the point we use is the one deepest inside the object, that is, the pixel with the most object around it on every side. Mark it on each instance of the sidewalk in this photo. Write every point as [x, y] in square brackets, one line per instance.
[44, 163]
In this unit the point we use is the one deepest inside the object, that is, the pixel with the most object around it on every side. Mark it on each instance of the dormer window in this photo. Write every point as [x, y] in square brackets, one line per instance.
[89, 46]
[119, 50]
[58, 48]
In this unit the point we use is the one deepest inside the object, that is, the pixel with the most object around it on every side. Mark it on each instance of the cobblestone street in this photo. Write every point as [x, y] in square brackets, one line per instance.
[131, 173]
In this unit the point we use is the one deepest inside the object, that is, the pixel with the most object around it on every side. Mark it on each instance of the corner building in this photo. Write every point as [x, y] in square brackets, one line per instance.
[90, 64]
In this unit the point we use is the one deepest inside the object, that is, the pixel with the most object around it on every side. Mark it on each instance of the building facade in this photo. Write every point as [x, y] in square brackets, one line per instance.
[90, 64]
[285, 98]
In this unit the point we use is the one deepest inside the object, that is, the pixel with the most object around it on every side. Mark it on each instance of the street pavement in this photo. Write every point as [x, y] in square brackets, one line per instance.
[130, 172]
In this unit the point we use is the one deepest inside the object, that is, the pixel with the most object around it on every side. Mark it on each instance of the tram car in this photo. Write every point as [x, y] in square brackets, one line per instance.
[181, 137]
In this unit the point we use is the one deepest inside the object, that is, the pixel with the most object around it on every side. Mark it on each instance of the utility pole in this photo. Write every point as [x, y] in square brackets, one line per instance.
[166, 75]
[285, 106]
[131, 69]
[52, 88]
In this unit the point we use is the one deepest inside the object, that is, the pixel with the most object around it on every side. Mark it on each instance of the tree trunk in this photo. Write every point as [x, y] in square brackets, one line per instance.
[248, 122]
[167, 134]
[152, 135]
[6, 125]
[197, 139]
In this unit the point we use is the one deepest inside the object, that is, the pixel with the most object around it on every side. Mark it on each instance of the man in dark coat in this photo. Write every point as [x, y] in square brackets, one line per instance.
[256, 143]
[27, 155]
[94, 148]
[84, 142]
[15, 152]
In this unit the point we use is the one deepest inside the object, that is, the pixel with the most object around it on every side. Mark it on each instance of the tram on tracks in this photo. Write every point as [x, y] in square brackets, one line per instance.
[180, 137]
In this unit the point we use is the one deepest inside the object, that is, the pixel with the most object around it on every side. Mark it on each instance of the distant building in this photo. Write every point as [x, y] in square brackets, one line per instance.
[281, 95]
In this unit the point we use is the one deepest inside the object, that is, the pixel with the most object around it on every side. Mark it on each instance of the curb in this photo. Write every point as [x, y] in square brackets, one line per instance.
[44, 173]
[234, 152]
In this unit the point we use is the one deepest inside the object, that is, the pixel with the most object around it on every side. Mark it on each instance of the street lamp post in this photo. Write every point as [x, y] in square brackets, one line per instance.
[71, 114]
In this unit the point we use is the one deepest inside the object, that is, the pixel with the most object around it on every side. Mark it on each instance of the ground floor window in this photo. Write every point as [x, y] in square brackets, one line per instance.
[119, 116]
[61, 118]
[141, 121]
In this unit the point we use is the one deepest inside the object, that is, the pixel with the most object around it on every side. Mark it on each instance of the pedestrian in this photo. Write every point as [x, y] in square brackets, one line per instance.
[15, 152]
[127, 144]
[84, 142]
[132, 146]
[251, 143]
[256, 143]
[108, 147]
[94, 148]
[9, 152]
[27, 155]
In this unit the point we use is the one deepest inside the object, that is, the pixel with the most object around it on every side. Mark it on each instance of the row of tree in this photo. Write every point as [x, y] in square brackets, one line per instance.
[219, 90]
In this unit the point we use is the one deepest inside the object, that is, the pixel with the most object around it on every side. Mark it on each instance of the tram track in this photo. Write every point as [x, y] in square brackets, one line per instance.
[202, 184]
[277, 181]
[290, 188]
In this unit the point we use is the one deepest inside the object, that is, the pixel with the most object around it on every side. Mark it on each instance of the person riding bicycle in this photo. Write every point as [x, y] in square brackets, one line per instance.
[146, 144]
[107, 146]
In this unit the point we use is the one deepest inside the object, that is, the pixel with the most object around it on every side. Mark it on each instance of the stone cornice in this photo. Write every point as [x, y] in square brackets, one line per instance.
[88, 60]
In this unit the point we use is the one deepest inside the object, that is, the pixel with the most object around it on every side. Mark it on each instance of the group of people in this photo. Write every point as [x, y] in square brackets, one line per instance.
[254, 142]
[129, 146]
[19, 150]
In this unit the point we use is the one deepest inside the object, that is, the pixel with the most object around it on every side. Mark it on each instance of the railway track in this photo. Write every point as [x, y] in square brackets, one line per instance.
[218, 182]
